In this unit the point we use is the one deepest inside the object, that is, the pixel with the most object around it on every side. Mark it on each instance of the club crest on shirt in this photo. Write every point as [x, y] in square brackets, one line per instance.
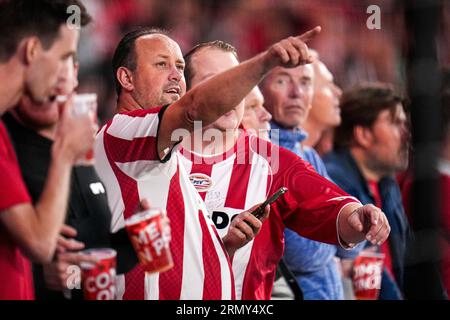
[201, 181]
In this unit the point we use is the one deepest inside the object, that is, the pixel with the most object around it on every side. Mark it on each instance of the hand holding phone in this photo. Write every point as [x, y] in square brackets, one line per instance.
[258, 212]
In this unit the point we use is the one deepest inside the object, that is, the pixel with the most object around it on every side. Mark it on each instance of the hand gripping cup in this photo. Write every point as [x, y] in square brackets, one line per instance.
[367, 273]
[85, 103]
[150, 240]
[99, 279]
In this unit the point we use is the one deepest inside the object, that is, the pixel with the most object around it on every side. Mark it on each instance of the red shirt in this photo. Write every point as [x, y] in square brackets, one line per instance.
[128, 164]
[16, 281]
[384, 248]
[246, 175]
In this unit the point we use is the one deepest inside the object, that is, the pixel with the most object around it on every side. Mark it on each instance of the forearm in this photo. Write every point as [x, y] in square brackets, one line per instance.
[52, 205]
[211, 99]
[346, 233]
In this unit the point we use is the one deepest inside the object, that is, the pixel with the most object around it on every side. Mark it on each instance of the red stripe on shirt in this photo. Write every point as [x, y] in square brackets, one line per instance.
[128, 186]
[212, 284]
[238, 185]
[141, 113]
[123, 150]
[134, 284]
[171, 280]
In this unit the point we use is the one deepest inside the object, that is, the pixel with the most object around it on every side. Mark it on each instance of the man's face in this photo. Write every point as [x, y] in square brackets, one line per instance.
[158, 78]
[255, 115]
[387, 151]
[325, 104]
[43, 73]
[288, 95]
[46, 115]
[208, 62]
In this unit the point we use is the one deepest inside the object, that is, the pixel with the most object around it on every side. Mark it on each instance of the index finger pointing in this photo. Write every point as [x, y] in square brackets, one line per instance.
[308, 35]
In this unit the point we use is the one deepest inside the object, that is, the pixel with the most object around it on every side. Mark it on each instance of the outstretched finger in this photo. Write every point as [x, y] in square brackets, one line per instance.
[308, 35]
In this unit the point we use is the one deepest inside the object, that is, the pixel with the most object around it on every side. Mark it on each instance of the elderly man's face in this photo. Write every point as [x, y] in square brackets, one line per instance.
[288, 95]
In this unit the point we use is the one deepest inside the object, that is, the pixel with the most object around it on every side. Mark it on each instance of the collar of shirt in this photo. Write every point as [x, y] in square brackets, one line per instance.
[288, 138]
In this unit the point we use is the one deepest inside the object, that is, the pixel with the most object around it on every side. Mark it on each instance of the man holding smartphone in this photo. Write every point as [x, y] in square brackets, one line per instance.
[233, 171]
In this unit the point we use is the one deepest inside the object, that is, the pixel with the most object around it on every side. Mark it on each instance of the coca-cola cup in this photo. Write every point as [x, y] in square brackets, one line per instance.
[85, 103]
[150, 238]
[99, 279]
[367, 272]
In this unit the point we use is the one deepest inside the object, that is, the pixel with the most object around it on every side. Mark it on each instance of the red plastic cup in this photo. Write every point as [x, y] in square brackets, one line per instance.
[86, 103]
[99, 279]
[150, 240]
[367, 272]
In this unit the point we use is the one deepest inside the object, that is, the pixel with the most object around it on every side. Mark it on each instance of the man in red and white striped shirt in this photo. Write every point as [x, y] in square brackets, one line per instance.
[135, 158]
[234, 171]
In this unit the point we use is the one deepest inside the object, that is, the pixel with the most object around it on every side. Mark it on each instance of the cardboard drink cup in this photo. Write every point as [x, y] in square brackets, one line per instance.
[85, 103]
[367, 273]
[150, 240]
[99, 279]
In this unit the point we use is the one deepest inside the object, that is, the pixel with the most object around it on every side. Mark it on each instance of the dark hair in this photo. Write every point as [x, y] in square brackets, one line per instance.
[188, 72]
[125, 53]
[42, 18]
[361, 105]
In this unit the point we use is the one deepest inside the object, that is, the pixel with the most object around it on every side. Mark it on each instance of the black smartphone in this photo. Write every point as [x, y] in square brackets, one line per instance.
[258, 212]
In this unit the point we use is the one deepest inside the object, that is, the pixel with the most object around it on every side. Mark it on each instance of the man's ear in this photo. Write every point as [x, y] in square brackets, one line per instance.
[125, 78]
[363, 136]
[32, 46]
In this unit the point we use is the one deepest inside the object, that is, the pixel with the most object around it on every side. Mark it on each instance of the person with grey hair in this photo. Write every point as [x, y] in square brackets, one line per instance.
[135, 159]
[239, 172]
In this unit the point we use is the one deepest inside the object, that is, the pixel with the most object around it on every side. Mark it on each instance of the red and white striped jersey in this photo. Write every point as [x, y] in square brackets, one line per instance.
[246, 175]
[127, 162]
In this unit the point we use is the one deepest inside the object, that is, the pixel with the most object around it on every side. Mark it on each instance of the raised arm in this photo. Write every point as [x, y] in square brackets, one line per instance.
[213, 98]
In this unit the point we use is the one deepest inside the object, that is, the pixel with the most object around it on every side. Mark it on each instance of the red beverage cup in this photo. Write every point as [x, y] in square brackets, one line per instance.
[150, 240]
[85, 103]
[99, 279]
[367, 272]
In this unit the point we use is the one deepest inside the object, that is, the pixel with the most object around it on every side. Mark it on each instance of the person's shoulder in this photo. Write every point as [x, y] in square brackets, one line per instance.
[271, 151]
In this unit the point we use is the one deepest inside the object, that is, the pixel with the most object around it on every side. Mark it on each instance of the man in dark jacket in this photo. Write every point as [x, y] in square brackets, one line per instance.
[371, 145]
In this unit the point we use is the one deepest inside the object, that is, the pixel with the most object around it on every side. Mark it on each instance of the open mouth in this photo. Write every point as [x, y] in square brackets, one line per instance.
[173, 90]
[52, 98]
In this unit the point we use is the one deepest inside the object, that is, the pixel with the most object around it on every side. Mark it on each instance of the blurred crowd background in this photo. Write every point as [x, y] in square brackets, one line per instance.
[352, 52]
